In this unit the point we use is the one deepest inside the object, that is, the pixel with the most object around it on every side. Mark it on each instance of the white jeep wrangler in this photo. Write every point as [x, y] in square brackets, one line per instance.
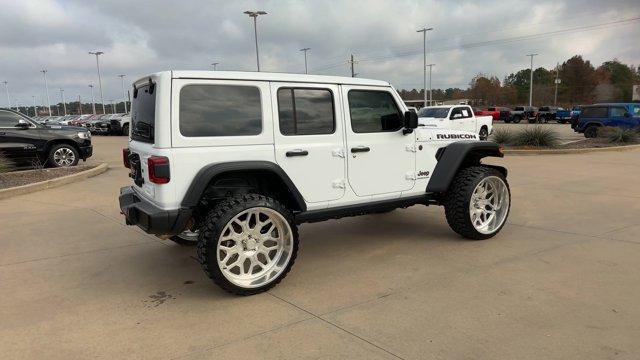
[234, 161]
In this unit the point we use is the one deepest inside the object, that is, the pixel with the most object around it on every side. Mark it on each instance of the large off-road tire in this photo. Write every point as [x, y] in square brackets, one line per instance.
[63, 155]
[591, 131]
[477, 203]
[248, 243]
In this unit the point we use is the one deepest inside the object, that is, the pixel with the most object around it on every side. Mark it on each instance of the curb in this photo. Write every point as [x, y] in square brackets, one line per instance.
[570, 151]
[48, 184]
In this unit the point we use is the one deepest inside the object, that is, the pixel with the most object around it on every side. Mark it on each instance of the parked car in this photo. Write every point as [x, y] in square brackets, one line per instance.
[456, 117]
[519, 113]
[235, 161]
[99, 125]
[593, 117]
[24, 141]
[120, 125]
[548, 113]
[563, 116]
[575, 111]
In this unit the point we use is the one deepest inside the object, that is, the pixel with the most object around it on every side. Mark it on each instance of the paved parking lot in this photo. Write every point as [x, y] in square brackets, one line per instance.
[560, 281]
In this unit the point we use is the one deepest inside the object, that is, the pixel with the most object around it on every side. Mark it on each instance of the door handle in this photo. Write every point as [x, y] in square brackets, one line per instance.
[358, 149]
[297, 153]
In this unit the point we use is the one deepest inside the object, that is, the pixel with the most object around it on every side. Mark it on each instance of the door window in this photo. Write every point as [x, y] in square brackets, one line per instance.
[306, 111]
[594, 112]
[373, 111]
[460, 113]
[618, 111]
[9, 119]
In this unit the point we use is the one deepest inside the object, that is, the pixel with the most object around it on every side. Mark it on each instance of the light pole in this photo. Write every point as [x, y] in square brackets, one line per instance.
[35, 108]
[97, 54]
[214, 65]
[305, 59]
[6, 87]
[124, 94]
[93, 100]
[79, 105]
[254, 15]
[424, 56]
[555, 95]
[46, 88]
[113, 106]
[531, 81]
[64, 106]
[430, 88]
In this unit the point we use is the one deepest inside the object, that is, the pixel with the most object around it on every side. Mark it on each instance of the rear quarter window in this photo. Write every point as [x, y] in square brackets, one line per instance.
[594, 112]
[220, 110]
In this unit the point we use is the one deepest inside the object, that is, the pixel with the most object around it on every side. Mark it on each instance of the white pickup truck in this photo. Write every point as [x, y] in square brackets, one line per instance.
[455, 117]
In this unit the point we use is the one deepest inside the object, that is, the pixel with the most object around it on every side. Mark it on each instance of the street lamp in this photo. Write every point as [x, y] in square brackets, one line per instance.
[305, 59]
[6, 87]
[35, 108]
[531, 80]
[424, 58]
[97, 54]
[46, 88]
[430, 88]
[64, 105]
[254, 15]
[124, 94]
[93, 100]
[214, 65]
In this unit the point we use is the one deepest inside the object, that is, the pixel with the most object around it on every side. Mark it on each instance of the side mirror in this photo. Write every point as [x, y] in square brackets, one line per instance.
[22, 125]
[410, 120]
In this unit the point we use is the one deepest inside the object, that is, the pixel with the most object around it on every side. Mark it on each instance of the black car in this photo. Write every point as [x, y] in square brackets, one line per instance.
[25, 142]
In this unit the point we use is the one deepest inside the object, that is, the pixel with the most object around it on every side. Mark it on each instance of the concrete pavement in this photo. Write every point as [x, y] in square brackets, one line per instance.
[559, 282]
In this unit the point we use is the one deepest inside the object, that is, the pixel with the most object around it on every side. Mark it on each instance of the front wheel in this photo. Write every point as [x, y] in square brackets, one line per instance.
[63, 155]
[477, 203]
[591, 131]
[248, 244]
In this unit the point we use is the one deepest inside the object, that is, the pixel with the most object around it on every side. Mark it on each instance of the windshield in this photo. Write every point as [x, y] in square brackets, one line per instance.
[143, 113]
[439, 113]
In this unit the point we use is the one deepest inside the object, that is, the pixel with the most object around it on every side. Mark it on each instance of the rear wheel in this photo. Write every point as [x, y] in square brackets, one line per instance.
[591, 131]
[484, 133]
[125, 129]
[248, 244]
[477, 202]
[517, 119]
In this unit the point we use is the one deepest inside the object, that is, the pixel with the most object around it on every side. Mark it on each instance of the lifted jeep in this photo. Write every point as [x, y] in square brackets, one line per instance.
[233, 162]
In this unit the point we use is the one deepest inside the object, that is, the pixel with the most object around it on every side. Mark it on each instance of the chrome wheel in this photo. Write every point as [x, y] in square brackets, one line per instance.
[189, 235]
[489, 205]
[254, 247]
[64, 157]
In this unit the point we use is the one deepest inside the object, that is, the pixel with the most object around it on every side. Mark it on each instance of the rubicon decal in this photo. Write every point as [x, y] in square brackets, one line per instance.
[455, 136]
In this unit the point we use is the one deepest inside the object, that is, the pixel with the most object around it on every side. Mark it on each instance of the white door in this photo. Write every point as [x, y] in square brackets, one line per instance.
[309, 142]
[380, 158]
[461, 118]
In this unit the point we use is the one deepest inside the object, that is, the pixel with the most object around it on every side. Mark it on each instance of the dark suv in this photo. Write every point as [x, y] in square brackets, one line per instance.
[26, 142]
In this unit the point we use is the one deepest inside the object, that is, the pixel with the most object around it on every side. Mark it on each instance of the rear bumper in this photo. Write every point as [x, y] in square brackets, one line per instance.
[149, 217]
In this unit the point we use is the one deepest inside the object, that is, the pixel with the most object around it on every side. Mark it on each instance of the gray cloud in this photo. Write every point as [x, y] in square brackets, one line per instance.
[140, 37]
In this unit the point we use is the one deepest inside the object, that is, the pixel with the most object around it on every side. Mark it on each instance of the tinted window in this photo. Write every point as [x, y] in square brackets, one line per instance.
[305, 111]
[460, 113]
[220, 110]
[518, 108]
[544, 108]
[594, 112]
[439, 113]
[143, 113]
[373, 111]
[9, 119]
[618, 111]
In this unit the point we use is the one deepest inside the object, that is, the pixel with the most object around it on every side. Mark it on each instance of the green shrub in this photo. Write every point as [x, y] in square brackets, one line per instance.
[502, 136]
[5, 164]
[621, 135]
[537, 136]
[606, 132]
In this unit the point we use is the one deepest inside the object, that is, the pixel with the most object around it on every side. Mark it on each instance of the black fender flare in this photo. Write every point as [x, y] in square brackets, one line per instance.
[206, 174]
[454, 155]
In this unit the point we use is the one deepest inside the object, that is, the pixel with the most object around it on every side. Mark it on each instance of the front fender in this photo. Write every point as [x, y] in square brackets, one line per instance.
[457, 155]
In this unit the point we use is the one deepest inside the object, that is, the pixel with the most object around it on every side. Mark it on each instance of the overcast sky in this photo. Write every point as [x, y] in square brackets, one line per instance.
[141, 37]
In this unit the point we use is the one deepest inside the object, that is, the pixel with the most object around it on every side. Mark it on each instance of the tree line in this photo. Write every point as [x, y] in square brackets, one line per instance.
[580, 83]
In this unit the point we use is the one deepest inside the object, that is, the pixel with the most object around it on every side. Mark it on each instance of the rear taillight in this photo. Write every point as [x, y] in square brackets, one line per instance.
[159, 169]
[125, 157]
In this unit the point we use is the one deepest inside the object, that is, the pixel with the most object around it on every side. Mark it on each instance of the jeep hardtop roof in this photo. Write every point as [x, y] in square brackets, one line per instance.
[265, 76]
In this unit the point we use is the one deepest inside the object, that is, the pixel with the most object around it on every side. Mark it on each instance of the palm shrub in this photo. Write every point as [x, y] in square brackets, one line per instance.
[537, 136]
[621, 135]
[502, 136]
